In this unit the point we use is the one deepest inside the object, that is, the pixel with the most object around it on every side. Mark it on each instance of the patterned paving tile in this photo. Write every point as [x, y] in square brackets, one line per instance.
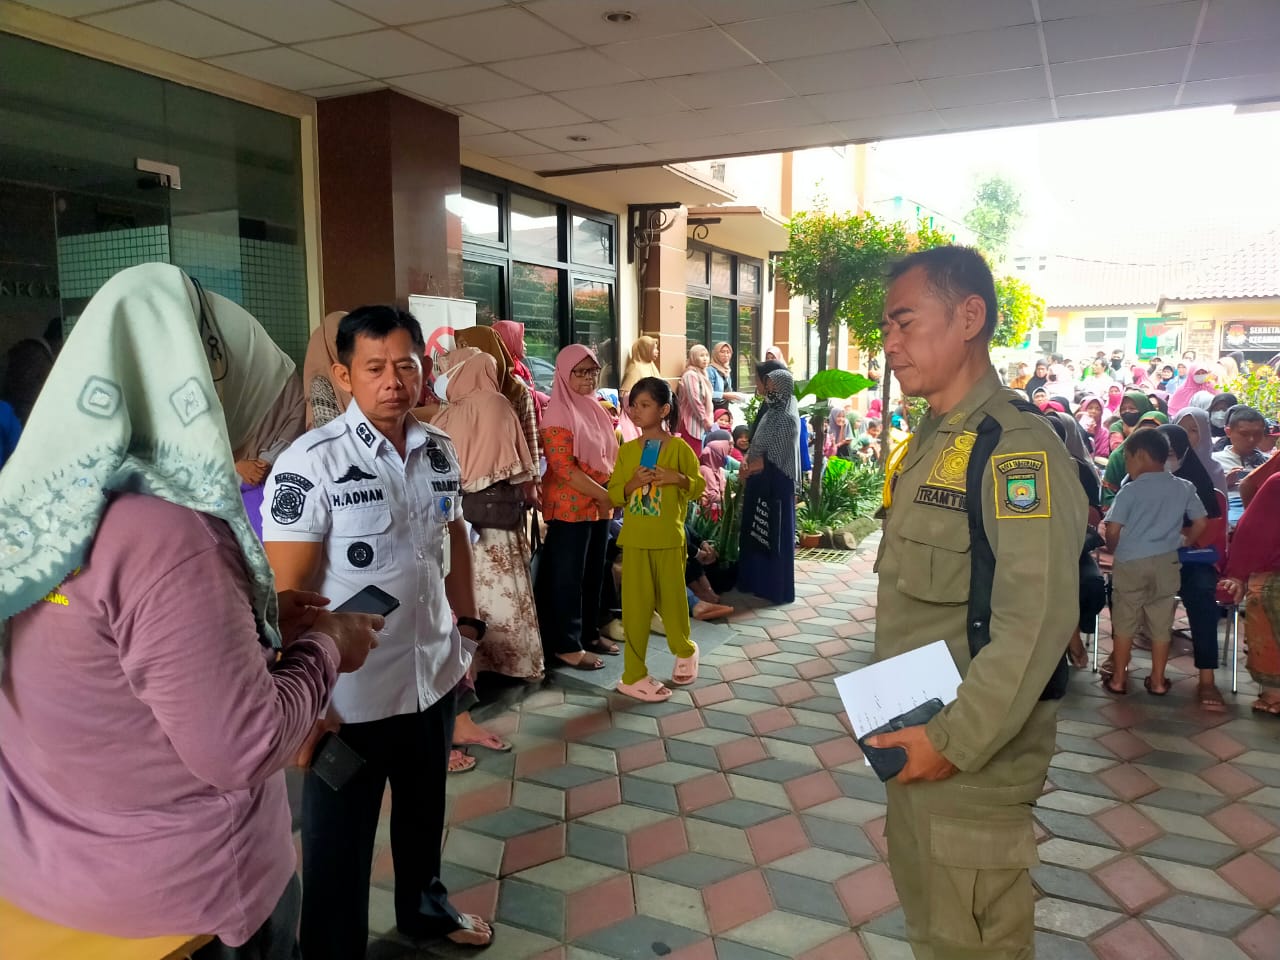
[1202, 913]
[784, 933]
[695, 870]
[640, 937]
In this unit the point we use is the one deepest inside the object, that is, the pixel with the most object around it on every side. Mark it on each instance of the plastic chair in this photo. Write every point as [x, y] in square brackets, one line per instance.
[1225, 600]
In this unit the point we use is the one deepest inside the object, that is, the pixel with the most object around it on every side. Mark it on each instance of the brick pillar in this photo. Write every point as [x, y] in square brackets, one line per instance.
[663, 293]
[387, 163]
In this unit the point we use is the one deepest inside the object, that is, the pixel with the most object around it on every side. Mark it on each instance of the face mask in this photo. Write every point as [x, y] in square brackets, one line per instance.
[441, 386]
[1172, 465]
[1115, 364]
[1131, 418]
[1087, 422]
[1218, 418]
[1200, 377]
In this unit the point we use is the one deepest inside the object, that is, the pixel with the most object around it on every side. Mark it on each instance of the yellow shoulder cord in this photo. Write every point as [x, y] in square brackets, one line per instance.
[891, 470]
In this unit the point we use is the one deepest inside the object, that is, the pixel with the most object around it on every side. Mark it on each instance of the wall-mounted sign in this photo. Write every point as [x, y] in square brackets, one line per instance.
[1251, 335]
[37, 289]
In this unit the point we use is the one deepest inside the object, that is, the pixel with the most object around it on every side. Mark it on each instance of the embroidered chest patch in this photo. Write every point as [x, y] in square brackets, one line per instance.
[948, 470]
[1021, 485]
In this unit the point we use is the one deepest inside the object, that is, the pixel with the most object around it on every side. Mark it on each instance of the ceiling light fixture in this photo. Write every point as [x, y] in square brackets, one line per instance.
[578, 138]
[619, 16]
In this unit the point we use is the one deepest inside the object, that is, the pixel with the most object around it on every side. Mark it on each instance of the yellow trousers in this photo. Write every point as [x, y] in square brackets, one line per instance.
[653, 580]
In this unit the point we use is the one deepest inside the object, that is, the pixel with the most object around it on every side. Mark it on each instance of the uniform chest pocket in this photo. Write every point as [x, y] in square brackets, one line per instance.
[935, 555]
[361, 540]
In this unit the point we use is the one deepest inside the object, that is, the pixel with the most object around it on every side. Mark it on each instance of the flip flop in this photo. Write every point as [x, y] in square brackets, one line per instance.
[1106, 685]
[490, 741]
[603, 645]
[587, 661]
[648, 690]
[460, 762]
[1269, 707]
[686, 669]
[1153, 691]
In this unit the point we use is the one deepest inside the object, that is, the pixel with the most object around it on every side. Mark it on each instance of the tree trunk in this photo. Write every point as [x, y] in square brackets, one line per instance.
[820, 428]
[886, 433]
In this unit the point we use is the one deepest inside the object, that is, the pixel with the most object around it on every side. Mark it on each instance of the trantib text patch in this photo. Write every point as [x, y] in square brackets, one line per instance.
[942, 497]
[1021, 485]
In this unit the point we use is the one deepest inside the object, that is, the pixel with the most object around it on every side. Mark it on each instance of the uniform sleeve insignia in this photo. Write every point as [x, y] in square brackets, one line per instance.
[365, 434]
[949, 468]
[439, 461]
[290, 498]
[1021, 485]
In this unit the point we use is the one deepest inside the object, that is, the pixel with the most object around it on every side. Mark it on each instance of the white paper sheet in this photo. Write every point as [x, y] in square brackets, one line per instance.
[877, 693]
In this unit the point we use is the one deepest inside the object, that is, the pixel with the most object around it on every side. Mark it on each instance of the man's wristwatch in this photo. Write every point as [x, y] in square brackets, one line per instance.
[476, 624]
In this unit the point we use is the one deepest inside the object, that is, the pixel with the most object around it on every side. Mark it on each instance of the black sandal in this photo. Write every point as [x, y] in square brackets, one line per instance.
[588, 661]
[1154, 692]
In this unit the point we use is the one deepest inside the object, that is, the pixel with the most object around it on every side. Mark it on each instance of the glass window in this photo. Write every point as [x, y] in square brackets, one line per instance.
[535, 228]
[592, 242]
[748, 278]
[593, 324]
[721, 273]
[535, 302]
[695, 268]
[721, 321]
[482, 282]
[748, 325]
[695, 321]
[480, 211]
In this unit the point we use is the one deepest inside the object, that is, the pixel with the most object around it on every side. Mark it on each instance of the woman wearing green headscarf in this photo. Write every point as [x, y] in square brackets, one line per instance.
[154, 685]
[1136, 411]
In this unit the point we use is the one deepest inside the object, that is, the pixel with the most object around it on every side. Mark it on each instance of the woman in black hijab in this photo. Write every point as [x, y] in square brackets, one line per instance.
[1199, 579]
[1038, 379]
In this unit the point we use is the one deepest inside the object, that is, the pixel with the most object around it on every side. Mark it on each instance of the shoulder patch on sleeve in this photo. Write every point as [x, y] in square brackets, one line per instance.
[1021, 482]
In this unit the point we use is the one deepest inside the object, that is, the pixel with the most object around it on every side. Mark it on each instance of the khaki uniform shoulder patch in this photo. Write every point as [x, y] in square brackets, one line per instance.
[1021, 485]
[949, 468]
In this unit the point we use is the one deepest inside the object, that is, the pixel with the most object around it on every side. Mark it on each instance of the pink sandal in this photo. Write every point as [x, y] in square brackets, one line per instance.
[686, 669]
[648, 690]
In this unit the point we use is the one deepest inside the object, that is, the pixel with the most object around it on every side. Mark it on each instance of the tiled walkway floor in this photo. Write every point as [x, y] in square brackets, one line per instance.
[738, 822]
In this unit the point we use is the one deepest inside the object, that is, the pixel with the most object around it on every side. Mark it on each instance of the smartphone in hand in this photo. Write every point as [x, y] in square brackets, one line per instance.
[649, 457]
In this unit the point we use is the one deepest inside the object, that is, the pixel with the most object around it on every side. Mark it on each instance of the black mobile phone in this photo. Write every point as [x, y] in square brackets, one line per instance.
[335, 762]
[369, 600]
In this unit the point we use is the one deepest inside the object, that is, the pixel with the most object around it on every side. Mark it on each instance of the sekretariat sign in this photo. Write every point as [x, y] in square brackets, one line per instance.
[1251, 335]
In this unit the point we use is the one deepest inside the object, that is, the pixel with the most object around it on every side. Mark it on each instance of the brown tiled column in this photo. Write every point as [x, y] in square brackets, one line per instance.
[663, 292]
[387, 164]
[781, 322]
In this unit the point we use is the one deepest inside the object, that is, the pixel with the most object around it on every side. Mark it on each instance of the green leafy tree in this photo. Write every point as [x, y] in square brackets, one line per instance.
[1021, 311]
[995, 216]
[839, 262]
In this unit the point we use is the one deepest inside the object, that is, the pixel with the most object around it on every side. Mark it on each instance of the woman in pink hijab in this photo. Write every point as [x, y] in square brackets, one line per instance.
[1197, 380]
[1115, 395]
[581, 446]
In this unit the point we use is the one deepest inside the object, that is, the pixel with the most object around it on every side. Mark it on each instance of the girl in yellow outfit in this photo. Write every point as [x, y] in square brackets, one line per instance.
[654, 501]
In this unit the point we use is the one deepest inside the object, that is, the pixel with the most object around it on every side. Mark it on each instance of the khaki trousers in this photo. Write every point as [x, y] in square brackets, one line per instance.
[960, 856]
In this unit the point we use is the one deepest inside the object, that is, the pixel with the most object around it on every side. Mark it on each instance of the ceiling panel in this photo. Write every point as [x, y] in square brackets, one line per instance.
[469, 126]
[1027, 83]
[640, 99]
[1239, 19]
[869, 67]
[978, 52]
[997, 114]
[397, 12]
[286, 68]
[188, 32]
[1061, 9]
[524, 113]
[899, 125]
[287, 21]
[383, 53]
[733, 11]
[1120, 73]
[461, 85]
[670, 126]
[504, 33]
[847, 26]
[753, 84]
[565, 71]
[918, 19]
[598, 137]
[871, 102]
[1264, 86]
[634, 154]
[1153, 28]
[671, 56]
[1114, 102]
[77, 8]
[1234, 58]
[763, 116]
[584, 19]
[345, 89]
[503, 145]
[547, 162]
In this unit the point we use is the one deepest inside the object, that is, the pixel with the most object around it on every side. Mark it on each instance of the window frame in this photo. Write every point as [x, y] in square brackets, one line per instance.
[707, 292]
[568, 270]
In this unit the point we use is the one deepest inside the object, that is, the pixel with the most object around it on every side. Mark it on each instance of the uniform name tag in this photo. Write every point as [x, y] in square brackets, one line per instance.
[1021, 485]
[355, 498]
[942, 497]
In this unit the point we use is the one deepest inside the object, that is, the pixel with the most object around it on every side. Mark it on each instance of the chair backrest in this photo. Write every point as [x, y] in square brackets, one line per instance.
[1220, 541]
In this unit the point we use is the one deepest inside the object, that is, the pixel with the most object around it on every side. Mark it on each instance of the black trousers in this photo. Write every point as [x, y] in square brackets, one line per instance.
[571, 574]
[1093, 592]
[338, 827]
[1199, 591]
[276, 939]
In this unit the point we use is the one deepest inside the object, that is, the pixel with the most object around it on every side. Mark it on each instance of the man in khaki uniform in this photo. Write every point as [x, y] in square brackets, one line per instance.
[959, 824]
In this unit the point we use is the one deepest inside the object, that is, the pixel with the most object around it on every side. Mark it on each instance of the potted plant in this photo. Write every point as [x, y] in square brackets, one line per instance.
[810, 531]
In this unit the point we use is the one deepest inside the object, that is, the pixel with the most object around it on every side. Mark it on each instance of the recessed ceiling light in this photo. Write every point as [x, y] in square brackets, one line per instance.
[579, 138]
[620, 16]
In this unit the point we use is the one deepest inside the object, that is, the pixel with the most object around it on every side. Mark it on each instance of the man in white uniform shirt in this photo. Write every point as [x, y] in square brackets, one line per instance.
[372, 498]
